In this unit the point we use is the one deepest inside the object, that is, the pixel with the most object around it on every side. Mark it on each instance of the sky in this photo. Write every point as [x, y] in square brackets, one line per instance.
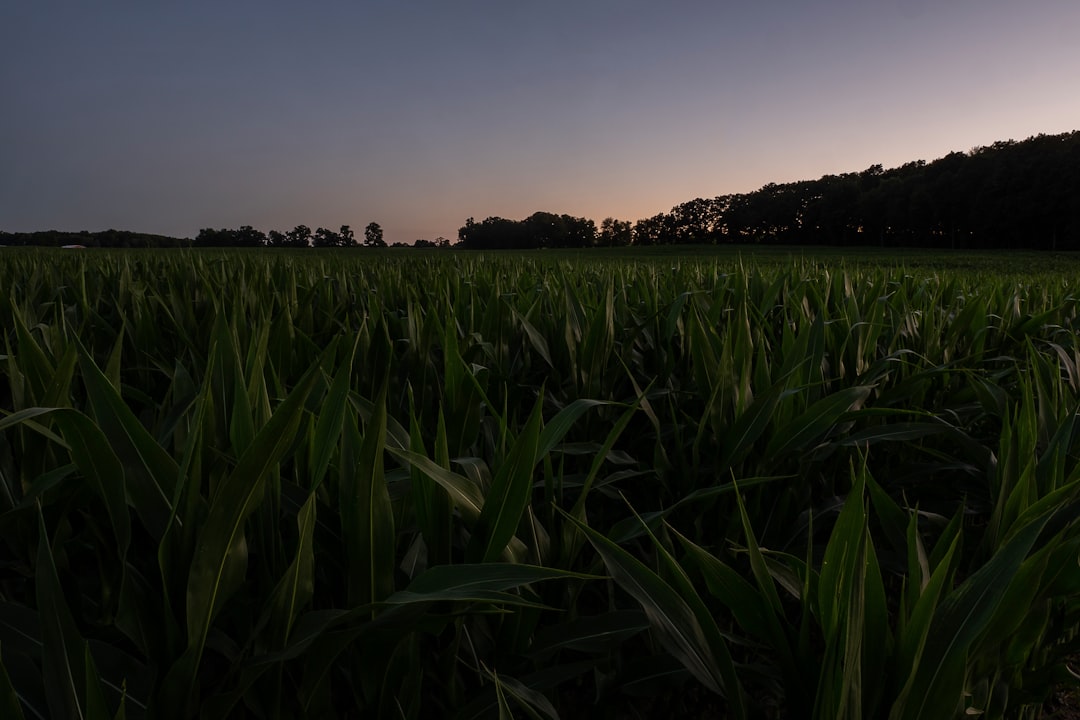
[417, 114]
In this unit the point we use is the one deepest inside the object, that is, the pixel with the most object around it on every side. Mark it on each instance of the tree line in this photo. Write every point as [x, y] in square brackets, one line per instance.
[300, 236]
[245, 236]
[106, 238]
[1006, 195]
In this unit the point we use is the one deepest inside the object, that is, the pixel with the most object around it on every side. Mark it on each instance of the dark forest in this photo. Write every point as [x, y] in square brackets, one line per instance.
[1019, 195]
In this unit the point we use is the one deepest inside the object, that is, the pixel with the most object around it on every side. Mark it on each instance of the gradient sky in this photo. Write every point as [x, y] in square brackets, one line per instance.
[170, 117]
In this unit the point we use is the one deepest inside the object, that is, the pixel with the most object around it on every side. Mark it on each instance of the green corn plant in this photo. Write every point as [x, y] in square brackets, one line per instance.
[409, 469]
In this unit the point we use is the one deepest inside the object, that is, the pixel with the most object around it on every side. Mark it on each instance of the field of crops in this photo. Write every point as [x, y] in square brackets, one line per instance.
[423, 485]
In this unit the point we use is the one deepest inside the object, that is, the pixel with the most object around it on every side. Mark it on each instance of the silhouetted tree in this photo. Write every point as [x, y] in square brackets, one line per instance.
[248, 236]
[345, 237]
[324, 238]
[539, 230]
[649, 231]
[373, 235]
[298, 237]
[615, 233]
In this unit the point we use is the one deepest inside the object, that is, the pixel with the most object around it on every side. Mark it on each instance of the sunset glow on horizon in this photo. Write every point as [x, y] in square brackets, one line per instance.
[417, 116]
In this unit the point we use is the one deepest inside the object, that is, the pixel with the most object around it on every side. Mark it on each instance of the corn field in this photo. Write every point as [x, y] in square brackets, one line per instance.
[450, 485]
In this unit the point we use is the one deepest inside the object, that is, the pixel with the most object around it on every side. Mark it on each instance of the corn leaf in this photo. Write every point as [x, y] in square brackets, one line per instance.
[367, 518]
[935, 687]
[509, 494]
[150, 472]
[10, 707]
[63, 656]
[329, 425]
[671, 618]
[296, 588]
[217, 569]
[818, 419]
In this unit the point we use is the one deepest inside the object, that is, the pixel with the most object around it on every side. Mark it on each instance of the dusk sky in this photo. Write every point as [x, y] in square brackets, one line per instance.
[170, 117]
